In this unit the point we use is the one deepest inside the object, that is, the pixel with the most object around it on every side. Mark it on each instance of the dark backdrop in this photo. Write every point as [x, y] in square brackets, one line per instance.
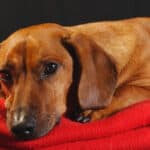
[15, 14]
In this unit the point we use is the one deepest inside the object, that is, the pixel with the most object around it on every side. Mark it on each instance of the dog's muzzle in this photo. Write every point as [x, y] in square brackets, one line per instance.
[23, 126]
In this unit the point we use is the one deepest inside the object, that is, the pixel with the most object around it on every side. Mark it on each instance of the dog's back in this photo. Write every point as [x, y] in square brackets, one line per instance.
[122, 40]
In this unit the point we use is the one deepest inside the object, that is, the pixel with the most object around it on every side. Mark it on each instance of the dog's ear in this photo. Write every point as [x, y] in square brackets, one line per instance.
[98, 73]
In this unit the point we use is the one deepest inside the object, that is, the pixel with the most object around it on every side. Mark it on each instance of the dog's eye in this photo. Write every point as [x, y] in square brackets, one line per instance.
[49, 69]
[5, 76]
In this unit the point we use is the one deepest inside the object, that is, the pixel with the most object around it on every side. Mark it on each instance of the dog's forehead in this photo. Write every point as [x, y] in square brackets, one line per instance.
[34, 43]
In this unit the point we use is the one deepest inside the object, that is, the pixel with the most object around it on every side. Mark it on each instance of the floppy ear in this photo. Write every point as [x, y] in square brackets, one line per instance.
[98, 73]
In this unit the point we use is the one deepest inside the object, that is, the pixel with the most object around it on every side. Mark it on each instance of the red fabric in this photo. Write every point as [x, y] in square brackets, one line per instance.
[127, 130]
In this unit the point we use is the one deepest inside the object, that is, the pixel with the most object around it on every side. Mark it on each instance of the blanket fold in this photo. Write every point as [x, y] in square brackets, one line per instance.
[126, 130]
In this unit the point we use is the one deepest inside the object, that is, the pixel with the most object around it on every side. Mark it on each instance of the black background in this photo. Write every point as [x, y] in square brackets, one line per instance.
[16, 14]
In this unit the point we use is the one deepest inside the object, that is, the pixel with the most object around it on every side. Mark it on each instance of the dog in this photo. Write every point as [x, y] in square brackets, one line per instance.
[101, 67]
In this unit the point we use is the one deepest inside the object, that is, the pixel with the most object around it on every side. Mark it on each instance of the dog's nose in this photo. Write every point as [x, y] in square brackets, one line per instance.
[24, 127]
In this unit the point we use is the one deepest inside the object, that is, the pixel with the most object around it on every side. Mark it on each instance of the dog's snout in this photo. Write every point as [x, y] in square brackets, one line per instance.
[23, 126]
[23, 130]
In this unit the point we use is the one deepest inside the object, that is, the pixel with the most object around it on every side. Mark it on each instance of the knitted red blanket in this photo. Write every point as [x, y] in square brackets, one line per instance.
[127, 130]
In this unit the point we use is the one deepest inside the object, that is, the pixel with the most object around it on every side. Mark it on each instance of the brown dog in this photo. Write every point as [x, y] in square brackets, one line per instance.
[105, 66]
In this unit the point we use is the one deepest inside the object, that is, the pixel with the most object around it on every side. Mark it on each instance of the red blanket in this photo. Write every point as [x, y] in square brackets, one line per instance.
[127, 130]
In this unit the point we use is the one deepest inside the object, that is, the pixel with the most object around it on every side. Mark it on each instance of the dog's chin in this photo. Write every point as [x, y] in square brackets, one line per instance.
[46, 130]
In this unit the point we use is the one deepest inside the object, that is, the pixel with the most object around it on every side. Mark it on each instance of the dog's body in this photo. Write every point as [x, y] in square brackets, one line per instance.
[127, 43]
[37, 72]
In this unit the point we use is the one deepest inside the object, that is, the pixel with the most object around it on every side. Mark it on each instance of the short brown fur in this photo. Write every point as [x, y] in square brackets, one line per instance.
[114, 59]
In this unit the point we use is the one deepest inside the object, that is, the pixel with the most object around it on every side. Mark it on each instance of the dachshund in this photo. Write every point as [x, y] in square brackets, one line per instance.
[101, 67]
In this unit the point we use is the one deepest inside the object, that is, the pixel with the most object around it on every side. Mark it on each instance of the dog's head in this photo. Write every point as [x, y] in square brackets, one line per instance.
[36, 72]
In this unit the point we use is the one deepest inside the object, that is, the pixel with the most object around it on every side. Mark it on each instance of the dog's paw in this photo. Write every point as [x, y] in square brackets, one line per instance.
[84, 117]
[92, 115]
